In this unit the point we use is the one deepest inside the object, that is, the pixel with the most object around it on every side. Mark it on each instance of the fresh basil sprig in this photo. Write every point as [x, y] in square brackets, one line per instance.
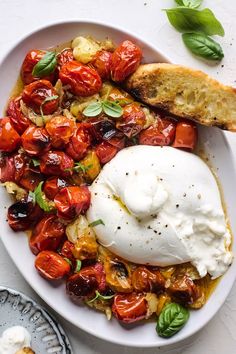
[99, 296]
[111, 108]
[38, 197]
[46, 65]
[35, 162]
[96, 222]
[78, 265]
[194, 4]
[186, 19]
[171, 320]
[203, 46]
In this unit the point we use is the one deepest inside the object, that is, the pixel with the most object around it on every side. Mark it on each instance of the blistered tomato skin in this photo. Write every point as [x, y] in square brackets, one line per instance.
[36, 141]
[105, 152]
[9, 138]
[47, 234]
[23, 215]
[186, 135]
[80, 142]
[17, 118]
[67, 250]
[160, 134]
[129, 308]
[7, 169]
[31, 59]
[83, 81]
[102, 63]
[72, 201]
[132, 121]
[145, 280]
[125, 60]
[60, 130]
[52, 186]
[51, 265]
[65, 56]
[30, 178]
[35, 94]
[56, 163]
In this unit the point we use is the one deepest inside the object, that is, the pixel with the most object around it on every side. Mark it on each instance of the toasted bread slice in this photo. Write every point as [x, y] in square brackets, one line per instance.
[185, 93]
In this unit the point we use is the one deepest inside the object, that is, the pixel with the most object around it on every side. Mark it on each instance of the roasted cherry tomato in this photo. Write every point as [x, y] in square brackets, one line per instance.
[186, 135]
[103, 128]
[67, 250]
[47, 234]
[52, 186]
[23, 215]
[102, 63]
[36, 140]
[60, 130]
[84, 81]
[17, 118]
[31, 59]
[80, 142]
[65, 56]
[125, 60]
[144, 280]
[7, 169]
[132, 121]
[9, 138]
[83, 284]
[35, 95]
[51, 265]
[105, 152]
[162, 133]
[184, 290]
[129, 307]
[56, 163]
[72, 201]
[30, 178]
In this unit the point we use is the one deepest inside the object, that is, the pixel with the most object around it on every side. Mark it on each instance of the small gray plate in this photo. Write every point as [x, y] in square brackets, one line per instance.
[47, 336]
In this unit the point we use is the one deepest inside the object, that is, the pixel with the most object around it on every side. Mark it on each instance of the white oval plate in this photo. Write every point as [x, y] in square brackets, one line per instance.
[142, 334]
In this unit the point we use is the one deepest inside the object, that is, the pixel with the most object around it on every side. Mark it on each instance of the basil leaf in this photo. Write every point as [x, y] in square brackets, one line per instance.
[40, 198]
[79, 166]
[46, 65]
[172, 318]
[112, 109]
[194, 4]
[78, 265]
[35, 162]
[185, 19]
[96, 222]
[203, 46]
[93, 109]
[99, 296]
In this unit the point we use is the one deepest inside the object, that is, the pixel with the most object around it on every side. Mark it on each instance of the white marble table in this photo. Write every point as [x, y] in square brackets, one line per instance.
[143, 17]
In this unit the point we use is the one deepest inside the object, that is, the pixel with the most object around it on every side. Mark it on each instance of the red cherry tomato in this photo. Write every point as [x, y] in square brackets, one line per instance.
[31, 59]
[184, 290]
[80, 142]
[7, 169]
[102, 63]
[17, 118]
[51, 265]
[23, 215]
[35, 94]
[47, 234]
[84, 81]
[9, 138]
[65, 56]
[84, 283]
[56, 163]
[145, 280]
[72, 201]
[30, 178]
[105, 152]
[36, 140]
[186, 135]
[125, 60]
[129, 307]
[162, 133]
[132, 121]
[60, 130]
[67, 250]
[52, 186]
